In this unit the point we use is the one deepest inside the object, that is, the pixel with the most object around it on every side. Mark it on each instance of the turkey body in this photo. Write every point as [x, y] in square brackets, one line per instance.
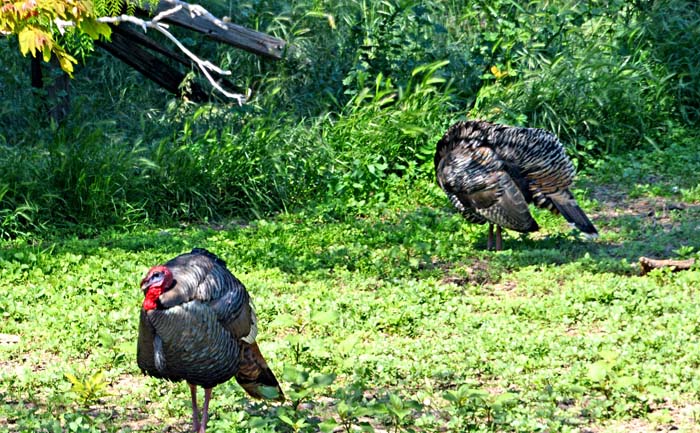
[492, 172]
[197, 324]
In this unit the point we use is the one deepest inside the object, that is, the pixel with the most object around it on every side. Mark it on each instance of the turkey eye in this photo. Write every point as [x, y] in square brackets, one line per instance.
[157, 275]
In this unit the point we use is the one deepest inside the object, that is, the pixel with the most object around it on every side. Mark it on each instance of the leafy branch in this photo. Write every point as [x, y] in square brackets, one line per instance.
[155, 23]
[38, 22]
[33, 23]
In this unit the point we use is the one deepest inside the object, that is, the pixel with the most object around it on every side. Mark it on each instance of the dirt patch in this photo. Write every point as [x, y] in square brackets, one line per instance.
[477, 272]
[615, 204]
[138, 416]
[35, 364]
[652, 217]
[8, 339]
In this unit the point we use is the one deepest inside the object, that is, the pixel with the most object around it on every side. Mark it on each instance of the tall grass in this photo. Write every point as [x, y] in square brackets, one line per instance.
[594, 82]
[354, 108]
[672, 29]
[384, 129]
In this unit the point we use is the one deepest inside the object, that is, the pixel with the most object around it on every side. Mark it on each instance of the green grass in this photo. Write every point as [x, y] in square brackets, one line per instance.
[398, 319]
[379, 307]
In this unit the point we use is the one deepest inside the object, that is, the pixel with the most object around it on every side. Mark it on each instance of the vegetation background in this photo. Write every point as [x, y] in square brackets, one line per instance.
[379, 307]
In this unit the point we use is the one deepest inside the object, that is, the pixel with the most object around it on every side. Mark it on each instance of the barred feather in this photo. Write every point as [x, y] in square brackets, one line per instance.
[491, 172]
[204, 329]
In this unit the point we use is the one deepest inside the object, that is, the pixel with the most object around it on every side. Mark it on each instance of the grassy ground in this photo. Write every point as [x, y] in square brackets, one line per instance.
[396, 321]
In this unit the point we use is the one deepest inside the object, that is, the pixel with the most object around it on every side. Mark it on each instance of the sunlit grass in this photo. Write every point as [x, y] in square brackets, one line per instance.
[552, 333]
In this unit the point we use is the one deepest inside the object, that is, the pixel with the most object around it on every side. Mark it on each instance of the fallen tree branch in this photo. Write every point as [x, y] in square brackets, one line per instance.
[647, 264]
[197, 18]
[127, 45]
[204, 65]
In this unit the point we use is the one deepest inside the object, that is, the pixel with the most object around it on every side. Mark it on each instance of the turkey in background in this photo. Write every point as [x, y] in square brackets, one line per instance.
[198, 324]
[492, 172]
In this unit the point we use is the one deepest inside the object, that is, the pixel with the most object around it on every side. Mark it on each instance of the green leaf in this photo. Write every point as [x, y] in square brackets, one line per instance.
[395, 401]
[285, 419]
[328, 425]
[323, 379]
[95, 29]
[625, 381]
[294, 375]
[349, 344]
[324, 317]
[284, 321]
[609, 356]
[505, 399]
[269, 392]
[598, 371]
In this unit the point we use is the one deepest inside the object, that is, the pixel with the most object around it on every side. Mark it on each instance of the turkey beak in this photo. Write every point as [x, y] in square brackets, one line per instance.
[144, 284]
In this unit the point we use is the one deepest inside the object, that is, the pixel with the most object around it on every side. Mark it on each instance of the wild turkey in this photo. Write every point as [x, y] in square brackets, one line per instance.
[491, 172]
[198, 325]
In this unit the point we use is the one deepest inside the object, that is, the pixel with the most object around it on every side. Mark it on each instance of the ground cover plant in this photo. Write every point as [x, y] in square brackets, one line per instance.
[398, 321]
[379, 308]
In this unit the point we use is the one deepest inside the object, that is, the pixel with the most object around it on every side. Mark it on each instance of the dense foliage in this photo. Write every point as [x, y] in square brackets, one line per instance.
[60, 29]
[379, 309]
[362, 98]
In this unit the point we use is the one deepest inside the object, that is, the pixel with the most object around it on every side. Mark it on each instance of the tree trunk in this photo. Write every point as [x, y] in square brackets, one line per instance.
[56, 98]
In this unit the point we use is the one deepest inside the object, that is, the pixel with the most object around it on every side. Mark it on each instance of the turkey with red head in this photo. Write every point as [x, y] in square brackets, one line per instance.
[198, 325]
[491, 172]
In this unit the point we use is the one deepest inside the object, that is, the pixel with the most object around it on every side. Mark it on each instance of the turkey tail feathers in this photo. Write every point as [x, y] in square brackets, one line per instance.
[571, 211]
[255, 377]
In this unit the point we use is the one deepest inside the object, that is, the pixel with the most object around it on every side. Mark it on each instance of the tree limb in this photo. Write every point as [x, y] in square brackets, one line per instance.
[135, 54]
[195, 17]
[205, 66]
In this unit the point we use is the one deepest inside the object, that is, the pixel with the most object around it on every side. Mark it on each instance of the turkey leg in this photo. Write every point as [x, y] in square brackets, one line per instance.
[205, 410]
[499, 239]
[195, 410]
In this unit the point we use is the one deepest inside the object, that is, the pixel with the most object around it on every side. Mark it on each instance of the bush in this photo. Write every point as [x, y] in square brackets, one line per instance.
[592, 82]
[353, 110]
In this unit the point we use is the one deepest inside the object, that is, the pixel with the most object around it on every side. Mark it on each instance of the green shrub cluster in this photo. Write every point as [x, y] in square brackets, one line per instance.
[357, 105]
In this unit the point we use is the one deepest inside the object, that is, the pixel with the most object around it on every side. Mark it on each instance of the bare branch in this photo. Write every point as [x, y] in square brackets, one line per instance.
[204, 65]
[195, 17]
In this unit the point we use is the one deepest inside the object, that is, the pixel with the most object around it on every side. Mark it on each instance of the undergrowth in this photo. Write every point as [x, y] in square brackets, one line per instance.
[398, 320]
[363, 97]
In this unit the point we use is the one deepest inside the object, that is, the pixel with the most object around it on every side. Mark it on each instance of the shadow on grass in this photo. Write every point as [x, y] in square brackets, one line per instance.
[419, 243]
[624, 239]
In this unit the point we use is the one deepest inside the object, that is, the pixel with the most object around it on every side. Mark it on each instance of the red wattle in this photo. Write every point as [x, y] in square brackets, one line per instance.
[149, 303]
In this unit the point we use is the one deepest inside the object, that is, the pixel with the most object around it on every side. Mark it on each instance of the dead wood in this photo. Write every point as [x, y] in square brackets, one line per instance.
[196, 18]
[647, 264]
[125, 49]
